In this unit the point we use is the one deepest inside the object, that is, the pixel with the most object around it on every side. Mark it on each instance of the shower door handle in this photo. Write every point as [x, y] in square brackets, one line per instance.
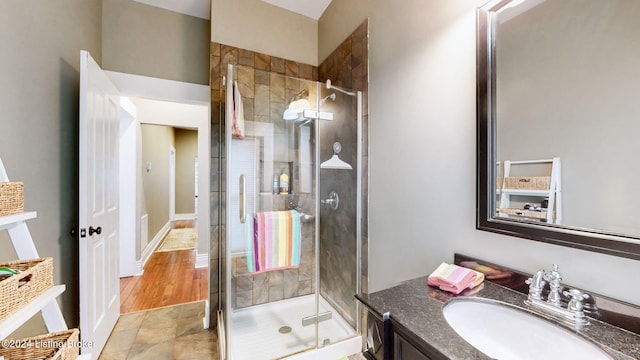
[243, 199]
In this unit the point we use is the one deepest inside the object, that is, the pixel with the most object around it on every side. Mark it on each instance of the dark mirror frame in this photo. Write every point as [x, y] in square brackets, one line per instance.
[585, 239]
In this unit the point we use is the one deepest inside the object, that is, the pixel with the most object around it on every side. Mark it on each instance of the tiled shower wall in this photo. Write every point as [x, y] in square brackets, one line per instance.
[265, 83]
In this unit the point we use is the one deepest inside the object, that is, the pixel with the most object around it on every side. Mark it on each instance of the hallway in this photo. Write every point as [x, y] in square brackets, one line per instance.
[169, 278]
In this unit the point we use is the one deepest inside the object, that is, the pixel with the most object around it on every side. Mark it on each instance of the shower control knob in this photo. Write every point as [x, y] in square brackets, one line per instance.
[333, 200]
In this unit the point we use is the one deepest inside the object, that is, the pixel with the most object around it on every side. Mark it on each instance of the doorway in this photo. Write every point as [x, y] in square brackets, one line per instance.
[156, 103]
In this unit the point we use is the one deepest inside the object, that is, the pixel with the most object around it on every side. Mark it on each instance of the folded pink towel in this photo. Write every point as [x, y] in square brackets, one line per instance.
[454, 278]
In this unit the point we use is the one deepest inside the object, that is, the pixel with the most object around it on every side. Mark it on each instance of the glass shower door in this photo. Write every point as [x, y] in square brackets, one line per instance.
[271, 262]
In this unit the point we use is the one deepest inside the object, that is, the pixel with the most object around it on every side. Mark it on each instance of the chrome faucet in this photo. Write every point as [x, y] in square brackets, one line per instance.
[573, 314]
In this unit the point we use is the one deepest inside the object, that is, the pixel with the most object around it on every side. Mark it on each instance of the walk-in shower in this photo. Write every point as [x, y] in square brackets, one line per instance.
[291, 264]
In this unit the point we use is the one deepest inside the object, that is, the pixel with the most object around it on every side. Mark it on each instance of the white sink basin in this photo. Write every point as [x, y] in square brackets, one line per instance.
[504, 332]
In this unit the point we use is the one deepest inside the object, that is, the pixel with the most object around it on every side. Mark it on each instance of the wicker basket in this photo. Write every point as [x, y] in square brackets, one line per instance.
[524, 213]
[35, 277]
[527, 182]
[61, 345]
[11, 198]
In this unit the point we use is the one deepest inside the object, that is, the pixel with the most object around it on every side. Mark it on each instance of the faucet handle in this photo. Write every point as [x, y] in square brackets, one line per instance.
[577, 296]
[536, 284]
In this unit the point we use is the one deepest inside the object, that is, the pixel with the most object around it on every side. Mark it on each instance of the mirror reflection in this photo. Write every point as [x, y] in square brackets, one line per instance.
[567, 114]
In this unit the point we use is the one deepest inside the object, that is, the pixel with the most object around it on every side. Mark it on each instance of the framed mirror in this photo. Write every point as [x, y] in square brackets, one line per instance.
[558, 122]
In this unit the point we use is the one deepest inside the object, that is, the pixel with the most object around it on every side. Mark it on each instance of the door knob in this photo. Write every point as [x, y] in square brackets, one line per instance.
[93, 230]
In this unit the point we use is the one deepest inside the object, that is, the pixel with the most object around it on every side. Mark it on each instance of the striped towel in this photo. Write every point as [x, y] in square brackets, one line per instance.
[275, 241]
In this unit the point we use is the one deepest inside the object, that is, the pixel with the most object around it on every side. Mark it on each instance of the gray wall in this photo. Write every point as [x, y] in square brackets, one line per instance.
[186, 152]
[156, 141]
[145, 40]
[41, 43]
[422, 167]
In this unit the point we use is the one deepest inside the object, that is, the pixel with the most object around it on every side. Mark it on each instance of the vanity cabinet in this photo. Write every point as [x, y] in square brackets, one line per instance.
[404, 350]
[386, 341]
[414, 326]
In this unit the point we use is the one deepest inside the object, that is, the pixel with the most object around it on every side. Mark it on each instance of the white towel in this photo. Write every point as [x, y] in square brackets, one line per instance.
[237, 127]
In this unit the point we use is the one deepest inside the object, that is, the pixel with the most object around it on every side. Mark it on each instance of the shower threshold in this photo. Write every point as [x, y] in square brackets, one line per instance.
[255, 331]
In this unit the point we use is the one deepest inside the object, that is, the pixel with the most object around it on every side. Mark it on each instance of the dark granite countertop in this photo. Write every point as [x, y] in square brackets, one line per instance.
[416, 308]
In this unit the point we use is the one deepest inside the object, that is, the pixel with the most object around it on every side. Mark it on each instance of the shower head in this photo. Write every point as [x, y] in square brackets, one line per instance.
[331, 97]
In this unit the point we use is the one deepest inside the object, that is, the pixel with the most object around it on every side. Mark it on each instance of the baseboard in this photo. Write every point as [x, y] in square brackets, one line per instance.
[139, 268]
[151, 247]
[184, 216]
[202, 260]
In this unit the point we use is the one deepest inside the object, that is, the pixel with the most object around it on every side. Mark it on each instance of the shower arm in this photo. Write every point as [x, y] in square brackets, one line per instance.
[329, 86]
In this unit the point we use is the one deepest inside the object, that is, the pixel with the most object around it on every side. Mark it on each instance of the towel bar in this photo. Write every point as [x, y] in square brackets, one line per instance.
[304, 217]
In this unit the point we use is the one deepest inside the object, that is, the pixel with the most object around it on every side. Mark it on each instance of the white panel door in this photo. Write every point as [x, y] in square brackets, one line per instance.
[98, 204]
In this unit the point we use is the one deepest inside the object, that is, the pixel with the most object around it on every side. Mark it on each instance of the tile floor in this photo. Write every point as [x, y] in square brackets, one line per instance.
[171, 333]
[357, 357]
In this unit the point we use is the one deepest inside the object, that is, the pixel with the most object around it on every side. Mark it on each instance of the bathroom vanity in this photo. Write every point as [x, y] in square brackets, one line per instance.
[407, 322]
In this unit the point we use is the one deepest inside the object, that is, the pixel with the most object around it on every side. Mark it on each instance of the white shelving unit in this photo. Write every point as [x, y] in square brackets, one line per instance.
[45, 303]
[15, 320]
[553, 193]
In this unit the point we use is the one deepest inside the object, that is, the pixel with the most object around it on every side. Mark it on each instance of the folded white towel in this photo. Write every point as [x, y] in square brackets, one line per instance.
[454, 278]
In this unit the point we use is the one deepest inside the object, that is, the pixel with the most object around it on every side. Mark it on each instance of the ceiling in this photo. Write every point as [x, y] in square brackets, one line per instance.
[308, 8]
[202, 9]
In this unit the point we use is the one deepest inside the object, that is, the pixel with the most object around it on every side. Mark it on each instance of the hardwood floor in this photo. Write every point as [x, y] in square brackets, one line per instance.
[169, 278]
